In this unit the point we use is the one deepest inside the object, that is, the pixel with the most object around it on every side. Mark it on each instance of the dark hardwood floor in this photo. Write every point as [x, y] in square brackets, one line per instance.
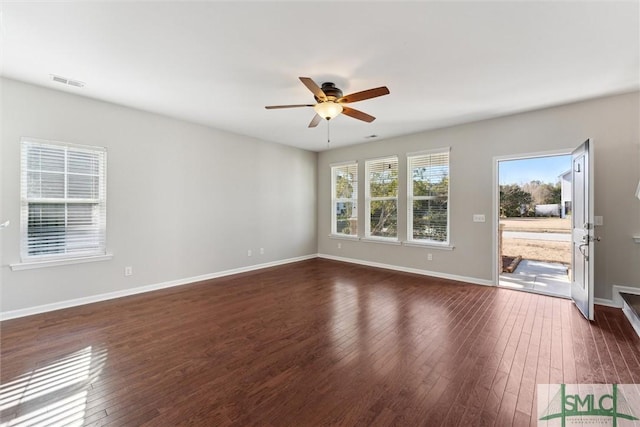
[312, 343]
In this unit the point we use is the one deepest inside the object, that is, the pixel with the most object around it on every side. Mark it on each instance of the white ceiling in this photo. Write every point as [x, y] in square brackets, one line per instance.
[220, 63]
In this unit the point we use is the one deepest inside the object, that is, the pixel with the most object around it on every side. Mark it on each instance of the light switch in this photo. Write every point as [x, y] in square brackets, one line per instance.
[598, 220]
[478, 218]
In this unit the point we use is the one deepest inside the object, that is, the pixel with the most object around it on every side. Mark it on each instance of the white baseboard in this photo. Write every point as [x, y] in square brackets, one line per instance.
[142, 289]
[605, 302]
[626, 309]
[617, 299]
[599, 301]
[616, 302]
[410, 270]
[632, 318]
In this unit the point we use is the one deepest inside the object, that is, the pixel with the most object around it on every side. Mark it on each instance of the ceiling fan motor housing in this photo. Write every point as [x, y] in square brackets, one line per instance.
[331, 91]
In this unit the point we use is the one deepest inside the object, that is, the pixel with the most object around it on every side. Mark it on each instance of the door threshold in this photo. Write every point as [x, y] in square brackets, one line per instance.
[553, 287]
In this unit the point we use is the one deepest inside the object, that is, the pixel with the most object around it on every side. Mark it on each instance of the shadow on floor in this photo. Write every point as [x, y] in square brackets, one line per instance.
[541, 277]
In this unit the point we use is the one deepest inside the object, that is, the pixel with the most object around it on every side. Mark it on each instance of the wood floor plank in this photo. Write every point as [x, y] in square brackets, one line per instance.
[478, 355]
[627, 347]
[316, 342]
[484, 385]
[568, 351]
[527, 390]
[556, 374]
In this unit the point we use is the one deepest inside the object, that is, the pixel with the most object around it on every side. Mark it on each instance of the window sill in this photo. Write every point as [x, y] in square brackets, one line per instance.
[57, 262]
[381, 240]
[444, 247]
[343, 236]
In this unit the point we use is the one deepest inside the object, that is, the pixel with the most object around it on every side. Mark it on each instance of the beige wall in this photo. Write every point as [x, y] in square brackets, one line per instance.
[183, 200]
[612, 123]
[171, 185]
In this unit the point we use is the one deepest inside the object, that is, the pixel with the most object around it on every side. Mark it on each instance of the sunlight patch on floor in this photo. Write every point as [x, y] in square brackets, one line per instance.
[68, 379]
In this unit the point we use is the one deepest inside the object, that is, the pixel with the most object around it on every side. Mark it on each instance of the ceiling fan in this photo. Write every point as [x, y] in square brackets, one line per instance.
[330, 102]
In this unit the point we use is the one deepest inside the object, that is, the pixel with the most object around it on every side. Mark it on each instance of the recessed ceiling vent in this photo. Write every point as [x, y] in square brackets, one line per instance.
[66, 81]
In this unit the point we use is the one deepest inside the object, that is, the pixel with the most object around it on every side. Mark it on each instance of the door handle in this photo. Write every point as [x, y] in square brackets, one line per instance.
[581, 249]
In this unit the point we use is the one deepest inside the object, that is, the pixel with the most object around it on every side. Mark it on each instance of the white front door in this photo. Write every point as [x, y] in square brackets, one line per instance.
[582, 229]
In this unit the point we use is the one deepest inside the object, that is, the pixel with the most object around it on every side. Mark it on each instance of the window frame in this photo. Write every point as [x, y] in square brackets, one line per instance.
[68, 255]
[411, 198]
[335, 200]
[368, 199]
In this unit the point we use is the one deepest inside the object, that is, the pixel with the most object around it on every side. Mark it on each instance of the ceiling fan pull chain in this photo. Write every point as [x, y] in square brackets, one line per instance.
[328, 133]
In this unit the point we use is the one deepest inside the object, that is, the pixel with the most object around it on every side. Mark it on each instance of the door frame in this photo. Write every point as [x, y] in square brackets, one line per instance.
[497, 268]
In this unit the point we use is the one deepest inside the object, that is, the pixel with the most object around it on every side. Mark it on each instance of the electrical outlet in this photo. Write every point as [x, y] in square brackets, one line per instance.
[128, 271]
[249, 253]
[339, 245]
[429, 257]
[261, 251]
[478, 218]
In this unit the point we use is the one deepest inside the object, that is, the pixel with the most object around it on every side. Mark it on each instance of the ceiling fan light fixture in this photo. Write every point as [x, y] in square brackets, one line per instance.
[328, 109]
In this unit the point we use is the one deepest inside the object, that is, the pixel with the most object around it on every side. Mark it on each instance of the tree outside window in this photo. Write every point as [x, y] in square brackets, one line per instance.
[382, 198]
[428, 197]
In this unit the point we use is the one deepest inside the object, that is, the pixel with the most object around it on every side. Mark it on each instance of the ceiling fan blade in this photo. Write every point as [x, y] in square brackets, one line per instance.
[314, 88]
[357, 114]
[273, 107]
[365, 94]
[314, 122]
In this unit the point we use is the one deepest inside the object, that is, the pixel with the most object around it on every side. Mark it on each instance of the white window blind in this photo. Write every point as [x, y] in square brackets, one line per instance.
[381, 193]
[428, 197]
[63, 200]
[344, 199]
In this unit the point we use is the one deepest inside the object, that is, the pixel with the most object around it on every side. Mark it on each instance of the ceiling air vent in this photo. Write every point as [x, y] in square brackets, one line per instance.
[64, 80]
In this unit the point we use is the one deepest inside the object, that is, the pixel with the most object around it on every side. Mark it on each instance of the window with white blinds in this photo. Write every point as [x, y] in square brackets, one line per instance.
[344, 199]
[63, 200]
[381, 194]
[428, 197]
